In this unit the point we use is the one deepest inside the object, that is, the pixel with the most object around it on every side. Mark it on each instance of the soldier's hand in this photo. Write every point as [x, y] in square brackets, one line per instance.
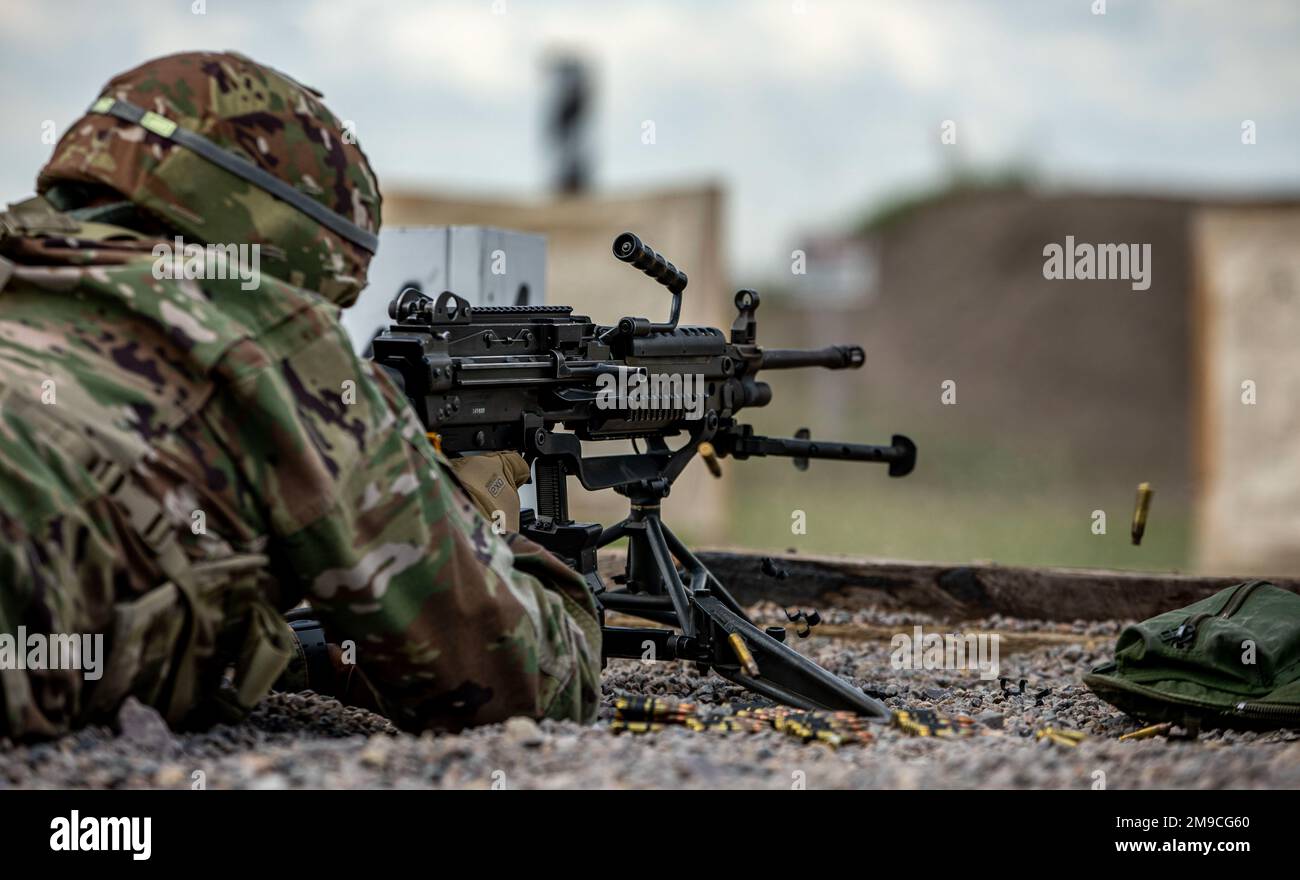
[492, 480]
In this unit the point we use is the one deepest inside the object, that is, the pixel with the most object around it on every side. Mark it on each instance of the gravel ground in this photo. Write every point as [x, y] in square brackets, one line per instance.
[303, 740]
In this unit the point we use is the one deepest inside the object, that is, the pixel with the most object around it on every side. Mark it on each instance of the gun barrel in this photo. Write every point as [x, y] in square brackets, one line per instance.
[832, 357]
[900, 455]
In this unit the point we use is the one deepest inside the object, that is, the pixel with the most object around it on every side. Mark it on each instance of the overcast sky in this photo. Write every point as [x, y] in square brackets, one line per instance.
[809, 112]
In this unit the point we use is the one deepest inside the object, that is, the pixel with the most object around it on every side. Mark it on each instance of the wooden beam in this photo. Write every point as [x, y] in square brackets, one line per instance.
[957, 592]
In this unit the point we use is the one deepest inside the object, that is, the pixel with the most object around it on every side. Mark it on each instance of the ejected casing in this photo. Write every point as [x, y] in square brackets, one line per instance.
[710, 457]
[1148, 732]
[1140, 512]
[743, 654]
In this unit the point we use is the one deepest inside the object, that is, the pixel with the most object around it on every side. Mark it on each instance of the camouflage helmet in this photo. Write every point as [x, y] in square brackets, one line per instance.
[224, 150]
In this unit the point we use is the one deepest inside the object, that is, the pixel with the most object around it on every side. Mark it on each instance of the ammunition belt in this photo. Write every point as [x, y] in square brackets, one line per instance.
[651, 714]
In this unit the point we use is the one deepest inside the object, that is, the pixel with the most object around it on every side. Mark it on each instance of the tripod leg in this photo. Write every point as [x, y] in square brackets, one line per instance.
[709, 618]
[785, 673]
[613, 533]
[653, 536]
[715, 586]
[771, 691]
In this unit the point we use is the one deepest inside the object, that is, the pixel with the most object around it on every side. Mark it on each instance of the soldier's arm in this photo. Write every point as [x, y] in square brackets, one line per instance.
[451, 623]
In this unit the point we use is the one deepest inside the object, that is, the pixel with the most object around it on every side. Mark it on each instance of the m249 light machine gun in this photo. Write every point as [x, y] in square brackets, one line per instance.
[508, 378]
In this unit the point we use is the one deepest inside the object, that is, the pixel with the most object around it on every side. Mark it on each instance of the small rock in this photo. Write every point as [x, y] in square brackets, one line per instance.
[170, 776]
[375, 754]
[523, 730]
[144, 726]
[991, 719]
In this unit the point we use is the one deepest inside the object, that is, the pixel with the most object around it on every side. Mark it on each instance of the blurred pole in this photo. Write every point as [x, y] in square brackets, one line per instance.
[567, 123]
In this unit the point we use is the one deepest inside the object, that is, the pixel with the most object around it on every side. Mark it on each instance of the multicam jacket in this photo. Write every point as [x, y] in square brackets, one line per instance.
[183, 459]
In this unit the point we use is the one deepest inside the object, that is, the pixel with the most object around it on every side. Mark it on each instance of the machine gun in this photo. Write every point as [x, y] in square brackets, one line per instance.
[507, 378]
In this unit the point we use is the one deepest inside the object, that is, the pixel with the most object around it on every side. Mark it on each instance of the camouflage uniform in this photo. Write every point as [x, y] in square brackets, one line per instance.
[183, 459]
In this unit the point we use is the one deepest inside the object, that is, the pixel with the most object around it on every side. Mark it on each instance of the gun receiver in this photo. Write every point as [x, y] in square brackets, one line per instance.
[541, 381]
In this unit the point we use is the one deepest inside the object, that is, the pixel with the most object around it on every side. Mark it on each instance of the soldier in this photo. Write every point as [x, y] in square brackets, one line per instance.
[189, 447]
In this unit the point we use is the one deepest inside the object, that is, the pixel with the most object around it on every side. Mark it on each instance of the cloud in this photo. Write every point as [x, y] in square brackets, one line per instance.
[806, 109]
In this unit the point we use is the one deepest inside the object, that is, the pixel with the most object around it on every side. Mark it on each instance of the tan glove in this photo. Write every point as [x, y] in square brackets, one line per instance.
[492, 480]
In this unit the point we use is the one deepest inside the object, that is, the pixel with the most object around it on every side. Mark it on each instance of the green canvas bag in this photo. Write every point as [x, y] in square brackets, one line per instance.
[1232, 660]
